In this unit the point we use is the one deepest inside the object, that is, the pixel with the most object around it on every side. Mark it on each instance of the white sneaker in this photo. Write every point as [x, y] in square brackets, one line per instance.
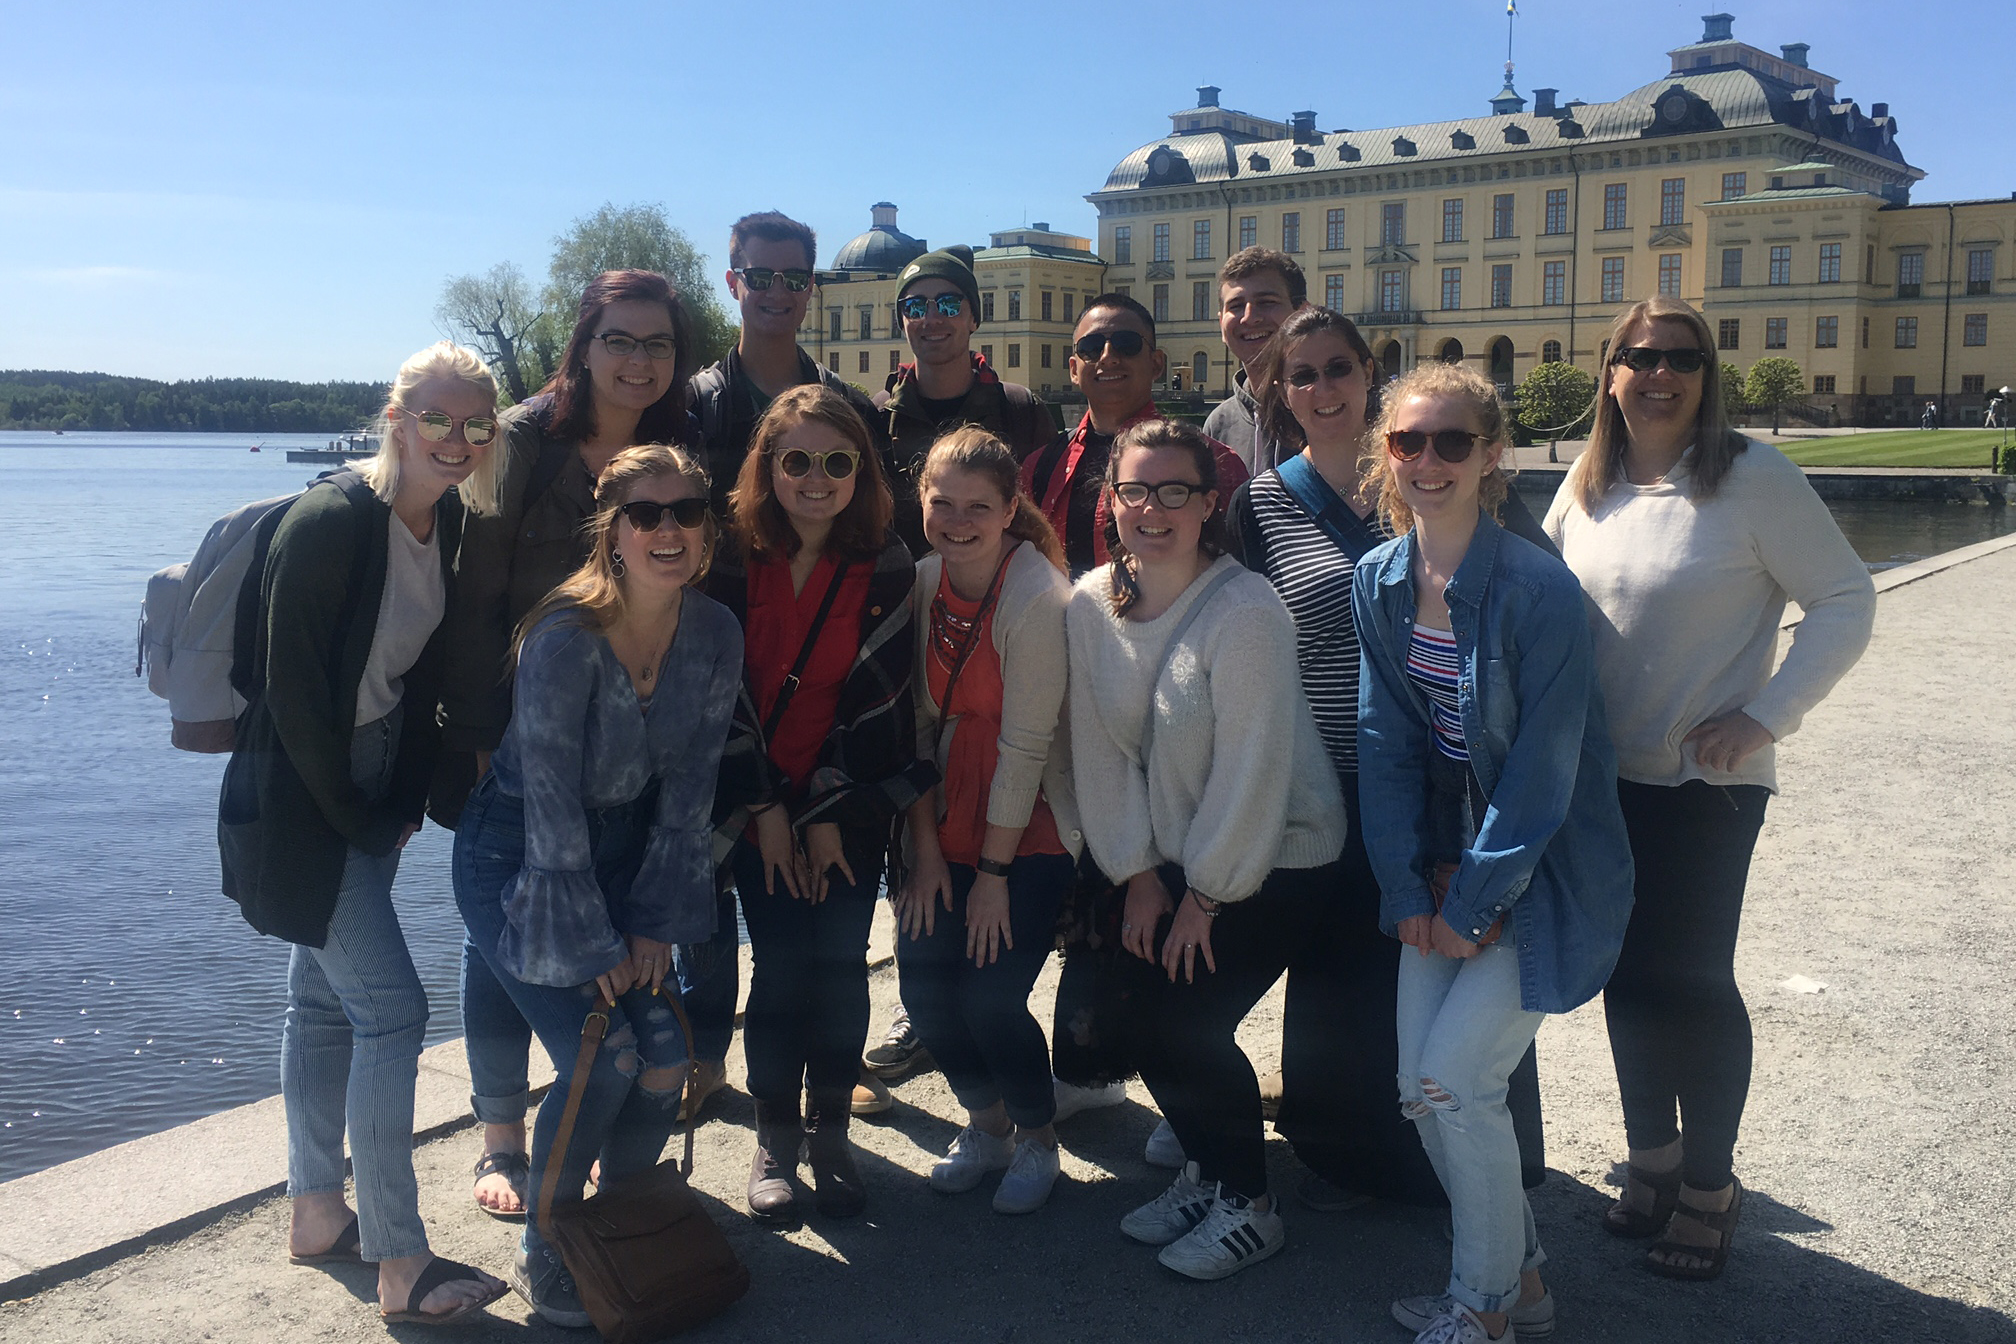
[1535, 1320]
[1026, 1187]
[974, 1153]
[1233, 1236]
[1458, 1326]
[1171, 1214]
[1164, 1148]
[1072, 1098]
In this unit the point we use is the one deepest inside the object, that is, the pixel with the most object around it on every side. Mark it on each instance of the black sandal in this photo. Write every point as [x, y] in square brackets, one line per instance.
[442, 1270]
[1721, 1222]
[515, 1168]
[347, 1249]
[1621, 1220]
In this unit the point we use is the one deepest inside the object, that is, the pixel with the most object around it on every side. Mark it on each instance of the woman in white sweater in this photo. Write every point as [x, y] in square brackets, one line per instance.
[1218, 811]
[994, 845]
[1688, 539]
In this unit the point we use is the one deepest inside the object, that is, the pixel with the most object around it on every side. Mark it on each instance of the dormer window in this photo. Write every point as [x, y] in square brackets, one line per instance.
[1403, 146]
[1258, 163]
[1462, 140]
[1516, 135]
[1304, 159]
[1348, 154]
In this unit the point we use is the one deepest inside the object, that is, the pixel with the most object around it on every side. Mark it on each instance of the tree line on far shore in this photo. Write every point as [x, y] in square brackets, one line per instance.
[44, 400]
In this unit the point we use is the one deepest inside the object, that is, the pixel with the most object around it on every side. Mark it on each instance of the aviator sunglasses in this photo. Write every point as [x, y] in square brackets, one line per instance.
[647, 515]
[915, 307]
[838, 464]
[1451, 445]
[1645, 358]
[436, 426]
[760, 277]
[1092, 344]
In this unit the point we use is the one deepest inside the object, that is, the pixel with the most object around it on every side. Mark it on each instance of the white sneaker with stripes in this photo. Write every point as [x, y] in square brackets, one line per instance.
[1232, 1236]
[1185, 1204]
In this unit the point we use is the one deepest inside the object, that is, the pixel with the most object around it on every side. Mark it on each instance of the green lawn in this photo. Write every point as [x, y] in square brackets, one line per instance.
[1900, 448]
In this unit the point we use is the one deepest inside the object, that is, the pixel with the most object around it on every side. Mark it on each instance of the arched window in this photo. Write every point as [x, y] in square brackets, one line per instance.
[1451, 351]
[1550, 352]
[1200, 363]
[1389, 359]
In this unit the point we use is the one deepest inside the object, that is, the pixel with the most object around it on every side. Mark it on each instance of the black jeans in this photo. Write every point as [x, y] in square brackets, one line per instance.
[807, 1017]
[1679, 1032]
[1093, 1025]
[1200, 1078]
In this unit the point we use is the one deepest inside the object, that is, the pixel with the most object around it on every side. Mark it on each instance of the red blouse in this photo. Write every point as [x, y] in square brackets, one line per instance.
[778, 620]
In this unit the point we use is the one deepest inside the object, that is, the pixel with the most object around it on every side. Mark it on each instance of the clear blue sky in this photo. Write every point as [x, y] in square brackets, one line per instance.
[200, 188]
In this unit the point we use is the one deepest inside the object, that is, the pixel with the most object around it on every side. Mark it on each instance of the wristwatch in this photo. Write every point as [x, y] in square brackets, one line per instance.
[992, 867]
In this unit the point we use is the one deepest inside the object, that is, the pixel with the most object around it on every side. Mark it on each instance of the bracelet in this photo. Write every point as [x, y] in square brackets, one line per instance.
[992, 867]
[1212, 909]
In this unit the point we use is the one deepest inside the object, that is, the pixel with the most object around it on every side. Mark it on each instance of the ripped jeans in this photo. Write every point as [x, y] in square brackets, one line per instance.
[631, 1102]
[1461, 1033]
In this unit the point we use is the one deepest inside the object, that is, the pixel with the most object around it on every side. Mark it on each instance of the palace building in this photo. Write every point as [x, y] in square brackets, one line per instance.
[1738, 180]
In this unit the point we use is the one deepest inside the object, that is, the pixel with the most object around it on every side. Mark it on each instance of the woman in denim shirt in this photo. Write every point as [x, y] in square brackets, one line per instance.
[586, 852]
[1488, 790]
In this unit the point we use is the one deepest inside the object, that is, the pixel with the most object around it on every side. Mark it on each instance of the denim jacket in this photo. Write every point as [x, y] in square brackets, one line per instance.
[577, 745]
[1549, 854]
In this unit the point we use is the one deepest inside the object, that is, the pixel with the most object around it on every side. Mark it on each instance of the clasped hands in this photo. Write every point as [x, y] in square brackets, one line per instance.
[1148, 902]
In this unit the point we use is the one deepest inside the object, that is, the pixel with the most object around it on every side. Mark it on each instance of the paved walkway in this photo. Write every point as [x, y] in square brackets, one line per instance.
[1877, 1152]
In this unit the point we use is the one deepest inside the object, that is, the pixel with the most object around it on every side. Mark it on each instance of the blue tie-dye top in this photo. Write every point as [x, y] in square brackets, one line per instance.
[578, 742]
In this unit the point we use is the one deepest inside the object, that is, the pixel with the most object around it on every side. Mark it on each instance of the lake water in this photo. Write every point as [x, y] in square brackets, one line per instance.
[132, 996]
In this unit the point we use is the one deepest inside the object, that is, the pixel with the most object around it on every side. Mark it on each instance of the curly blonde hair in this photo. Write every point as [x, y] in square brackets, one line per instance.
[1446, 382]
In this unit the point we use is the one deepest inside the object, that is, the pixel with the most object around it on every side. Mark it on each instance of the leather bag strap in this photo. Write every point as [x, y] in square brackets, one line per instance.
[805, 647]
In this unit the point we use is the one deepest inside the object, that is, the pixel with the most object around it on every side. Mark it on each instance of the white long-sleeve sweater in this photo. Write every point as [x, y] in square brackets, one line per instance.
[1687, 594]
[1239, 783]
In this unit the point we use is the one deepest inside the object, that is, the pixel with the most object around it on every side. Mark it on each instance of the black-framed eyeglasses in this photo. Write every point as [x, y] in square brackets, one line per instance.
[438, 426]
[1306, 376]
[623, 345]
[1645, 358]
[1169, 494]
[796, 279]
[916, 307]
[646, 515]
[1093, 344]
[1451, 445]
[838, 464]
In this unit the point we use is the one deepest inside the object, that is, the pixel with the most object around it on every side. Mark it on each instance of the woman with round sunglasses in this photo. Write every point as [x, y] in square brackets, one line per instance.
[327, 784]
[1689, 539]
[621, 380]
[1488, 792]
[992, 850]
[822, 760]
[1218, 813]
[586, 852]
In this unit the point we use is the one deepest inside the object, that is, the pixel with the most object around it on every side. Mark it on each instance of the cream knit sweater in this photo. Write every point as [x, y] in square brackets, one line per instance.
[1239, 783]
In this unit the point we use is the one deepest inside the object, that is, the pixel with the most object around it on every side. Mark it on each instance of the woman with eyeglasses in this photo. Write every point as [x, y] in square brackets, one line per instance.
[1689, 539]
[1218, 813]
[996, 844]
[822, 759]
[327, 784]
[621, 380]
[1488, 791]
[586, 852]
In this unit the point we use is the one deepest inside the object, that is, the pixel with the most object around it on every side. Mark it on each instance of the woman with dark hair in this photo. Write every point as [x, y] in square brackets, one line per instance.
[621, 380]
[588, 851]
[821, 761]
[1688, 539]
[996, 844]
[1218, 813]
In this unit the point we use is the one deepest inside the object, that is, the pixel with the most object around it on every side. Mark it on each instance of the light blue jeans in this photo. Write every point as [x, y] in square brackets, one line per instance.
[350, 1046]
[1461, 1033]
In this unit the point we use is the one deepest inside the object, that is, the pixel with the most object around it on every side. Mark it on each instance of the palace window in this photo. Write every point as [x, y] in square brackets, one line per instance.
[1200, 369]
[864, 361]
[1729, 334]
[1249, 231]
[1123, 245]
[1554, 282]
[1669, 274]
[1392, 291]
[1014, 355]
[1557, 211]
[987, 306]
[1781, 266]
[1734, 185]
[1045, 348]
[1452, 287]
[1774, 333]
[1826, 333]
[1673, 201]
[1014, 305]
[987, 353]
[1048, 297]
[895, 360]
[1160, 306]
[1200, 301]
[1910, 274]
[1333, 293]
[1865, 333]
[1907, 333]
[1613, 280]
[1974, 329]
[1550, 352]
[1732, 267]
[1291, 231]
[1333, 230]
[1613, 205]
[1452, 220]
[1980, 270]
[867, 323]
[1973, 384]
[834, 324]
[1501, 286]
[1904, 385]
[1830, 263]
[1393, 223]
[1823, 383]
[1501, 215]
[1068, 297]
[1200, 240]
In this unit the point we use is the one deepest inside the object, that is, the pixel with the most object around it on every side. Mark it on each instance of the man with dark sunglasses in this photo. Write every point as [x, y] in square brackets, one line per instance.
[1258, 290]
[770, 276]
[1114, 362]
[950, 384]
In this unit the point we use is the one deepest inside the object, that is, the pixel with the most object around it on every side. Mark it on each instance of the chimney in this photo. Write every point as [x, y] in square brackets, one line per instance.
[1795, 53]
[1717, 27]
[1543, 102]
[1879, 109]
[1207, 95]
[1040, 227]
[1305, 127]
[882, 215]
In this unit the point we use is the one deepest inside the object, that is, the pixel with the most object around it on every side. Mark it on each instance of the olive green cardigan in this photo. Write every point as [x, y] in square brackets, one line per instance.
[289, 811]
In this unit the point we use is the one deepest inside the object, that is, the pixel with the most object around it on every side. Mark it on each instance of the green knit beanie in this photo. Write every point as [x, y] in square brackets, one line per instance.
[953, 264]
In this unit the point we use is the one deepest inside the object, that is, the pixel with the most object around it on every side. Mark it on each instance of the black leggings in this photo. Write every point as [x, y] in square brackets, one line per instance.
[1679, 1032]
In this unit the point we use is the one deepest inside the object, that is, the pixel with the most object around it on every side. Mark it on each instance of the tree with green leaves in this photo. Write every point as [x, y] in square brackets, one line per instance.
[1555, 400]
[1775, 382]
[1732, 390]
[638, 237]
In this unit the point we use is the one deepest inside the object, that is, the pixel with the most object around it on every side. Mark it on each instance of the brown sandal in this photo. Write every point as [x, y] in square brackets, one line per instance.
[1722, 1222]
[1621, 1220]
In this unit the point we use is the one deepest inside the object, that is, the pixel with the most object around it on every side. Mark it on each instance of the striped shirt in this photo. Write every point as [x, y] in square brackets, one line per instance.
[1313, 576]
[1432, 667]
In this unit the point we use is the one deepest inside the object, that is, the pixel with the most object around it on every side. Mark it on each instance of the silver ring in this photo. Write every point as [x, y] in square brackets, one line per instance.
[1126, 928]
[1189, 947]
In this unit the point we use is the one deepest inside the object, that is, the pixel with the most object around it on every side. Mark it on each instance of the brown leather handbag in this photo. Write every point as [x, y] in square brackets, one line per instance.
[646, 1259]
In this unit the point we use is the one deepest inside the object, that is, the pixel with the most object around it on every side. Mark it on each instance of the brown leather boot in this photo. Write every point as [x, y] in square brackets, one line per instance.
[772, 1198]
[838, 1190]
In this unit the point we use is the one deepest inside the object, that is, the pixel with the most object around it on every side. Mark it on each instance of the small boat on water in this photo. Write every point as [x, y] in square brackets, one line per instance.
[344, 448]
[257, 446]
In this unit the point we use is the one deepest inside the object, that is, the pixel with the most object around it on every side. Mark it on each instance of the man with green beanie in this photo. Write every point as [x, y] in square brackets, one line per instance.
[949, 385]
